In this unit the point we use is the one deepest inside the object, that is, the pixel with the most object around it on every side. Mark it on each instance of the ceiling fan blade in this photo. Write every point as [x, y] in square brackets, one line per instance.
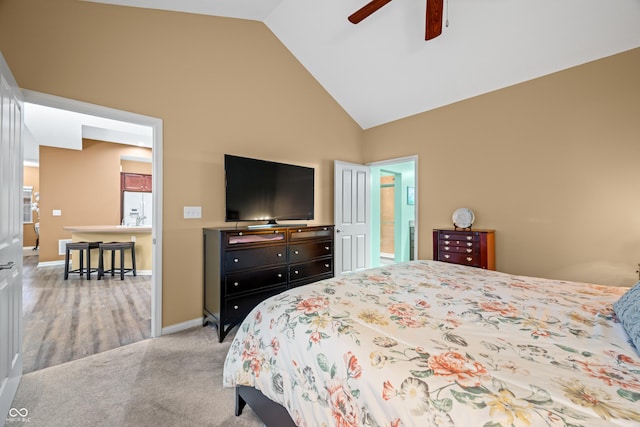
[366, 10]
[434, 19]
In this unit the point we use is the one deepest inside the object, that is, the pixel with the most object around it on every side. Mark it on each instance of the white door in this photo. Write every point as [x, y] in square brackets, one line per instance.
[352, 217]
[10, 238]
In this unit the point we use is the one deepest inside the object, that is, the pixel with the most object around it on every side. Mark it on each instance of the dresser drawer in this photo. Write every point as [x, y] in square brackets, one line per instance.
[458, 258]
[307, 251]
[458, 244]
[458, 235]
[465, 249]
[236, 283]
[239, 307]
[256, 257]
[308, 269]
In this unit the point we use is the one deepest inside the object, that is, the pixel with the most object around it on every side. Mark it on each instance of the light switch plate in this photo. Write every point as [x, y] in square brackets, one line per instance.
[57, 212]
[192, 212]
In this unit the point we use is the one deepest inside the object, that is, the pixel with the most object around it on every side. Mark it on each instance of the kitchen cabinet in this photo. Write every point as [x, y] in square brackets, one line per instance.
[135, 182]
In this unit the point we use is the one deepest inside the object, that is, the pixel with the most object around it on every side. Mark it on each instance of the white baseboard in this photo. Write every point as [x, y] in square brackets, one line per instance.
[50, 263]
[182, 326]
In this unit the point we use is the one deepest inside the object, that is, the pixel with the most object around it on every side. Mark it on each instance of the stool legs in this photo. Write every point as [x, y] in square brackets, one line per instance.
[113, 247]
[81, 247]
[133, 260]
[66, 263]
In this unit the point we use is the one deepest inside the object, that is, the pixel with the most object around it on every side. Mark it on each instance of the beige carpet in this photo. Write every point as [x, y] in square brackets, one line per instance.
[174, 380]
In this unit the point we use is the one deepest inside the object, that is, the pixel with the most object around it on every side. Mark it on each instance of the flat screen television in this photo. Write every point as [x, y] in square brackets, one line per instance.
[261, 190]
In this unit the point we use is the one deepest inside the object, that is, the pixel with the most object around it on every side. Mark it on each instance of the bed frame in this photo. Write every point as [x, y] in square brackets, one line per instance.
[272, 414]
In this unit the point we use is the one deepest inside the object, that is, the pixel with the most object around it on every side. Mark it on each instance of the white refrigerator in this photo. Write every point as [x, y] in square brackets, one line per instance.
[136, 208]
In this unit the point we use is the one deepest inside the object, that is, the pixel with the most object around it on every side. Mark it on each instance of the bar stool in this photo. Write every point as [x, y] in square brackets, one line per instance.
[82, 247]
[113, 247]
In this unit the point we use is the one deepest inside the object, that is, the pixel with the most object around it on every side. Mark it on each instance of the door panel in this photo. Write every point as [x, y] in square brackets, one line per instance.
[10, 238]
[351, 217]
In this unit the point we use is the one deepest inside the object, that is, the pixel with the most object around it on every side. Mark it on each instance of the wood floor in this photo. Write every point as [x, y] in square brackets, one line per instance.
[69, 319]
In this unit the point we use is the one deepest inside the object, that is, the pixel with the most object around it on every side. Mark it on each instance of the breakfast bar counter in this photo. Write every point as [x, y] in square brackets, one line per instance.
[118, 233]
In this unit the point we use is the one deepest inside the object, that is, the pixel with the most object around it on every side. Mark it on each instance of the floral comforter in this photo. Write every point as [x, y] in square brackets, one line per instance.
[427, 343]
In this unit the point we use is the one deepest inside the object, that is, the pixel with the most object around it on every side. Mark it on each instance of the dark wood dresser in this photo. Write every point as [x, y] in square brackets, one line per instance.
[242, 267]
[475, 248]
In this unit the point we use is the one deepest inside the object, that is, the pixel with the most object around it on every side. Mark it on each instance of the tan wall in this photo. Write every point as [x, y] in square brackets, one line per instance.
[136, 167]
[220, 86]
[551, 164]
[31, 179]
[84, 185]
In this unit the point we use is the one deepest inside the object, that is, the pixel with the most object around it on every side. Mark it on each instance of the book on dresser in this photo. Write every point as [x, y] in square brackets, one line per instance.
[243, 267]
[472, 247]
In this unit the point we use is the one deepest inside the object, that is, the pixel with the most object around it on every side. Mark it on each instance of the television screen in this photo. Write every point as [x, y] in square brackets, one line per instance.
[260, 190]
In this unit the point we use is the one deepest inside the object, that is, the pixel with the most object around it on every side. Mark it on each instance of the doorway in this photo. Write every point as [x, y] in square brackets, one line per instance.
[393, 211]
[155, 127]
[357, 213]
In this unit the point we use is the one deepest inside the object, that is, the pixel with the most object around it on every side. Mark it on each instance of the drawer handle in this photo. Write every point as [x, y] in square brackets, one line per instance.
[469, 244]
[235, 283]
[446, 242]
[327, 265]
[469, 259]
[447, 256]
[446, 248]
[235, 260]
[279, 255]
[469, 251]
[296, 252]
[327, 247]
[235, 307]
[446, 236]
[296, 272]
[469, 237]
[279, 274]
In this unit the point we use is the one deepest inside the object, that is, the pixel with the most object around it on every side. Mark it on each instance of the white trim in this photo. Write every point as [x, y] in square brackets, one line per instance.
[178, 327]
[156, 233]
[50, 263]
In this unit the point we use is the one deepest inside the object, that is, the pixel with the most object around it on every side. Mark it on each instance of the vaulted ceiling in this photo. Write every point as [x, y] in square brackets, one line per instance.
[382, 69]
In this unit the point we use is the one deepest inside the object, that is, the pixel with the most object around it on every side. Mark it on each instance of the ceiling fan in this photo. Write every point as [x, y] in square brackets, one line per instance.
[433, 26]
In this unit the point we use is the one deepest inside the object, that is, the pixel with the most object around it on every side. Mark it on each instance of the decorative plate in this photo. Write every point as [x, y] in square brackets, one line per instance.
[463, 218]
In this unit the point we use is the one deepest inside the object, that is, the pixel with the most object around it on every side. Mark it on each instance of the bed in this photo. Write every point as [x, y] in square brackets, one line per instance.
[427, 343]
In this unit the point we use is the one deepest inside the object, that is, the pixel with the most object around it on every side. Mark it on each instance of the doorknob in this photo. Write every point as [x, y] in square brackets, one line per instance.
[7, 266]
[338, 230]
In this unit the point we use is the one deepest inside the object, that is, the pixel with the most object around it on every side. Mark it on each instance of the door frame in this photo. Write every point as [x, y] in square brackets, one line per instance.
[156, 226]
[414, 159]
